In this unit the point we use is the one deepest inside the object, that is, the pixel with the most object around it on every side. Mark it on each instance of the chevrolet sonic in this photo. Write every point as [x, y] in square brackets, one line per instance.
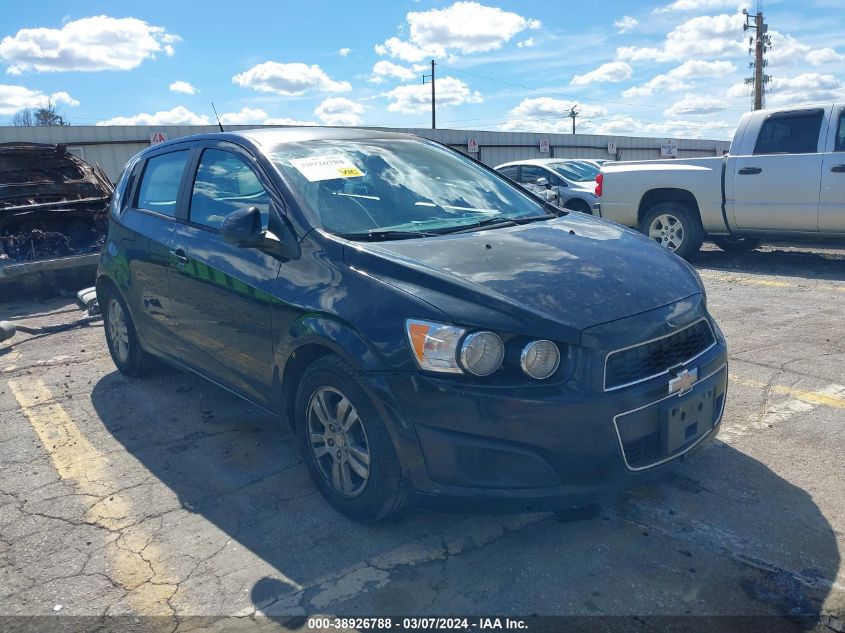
[428, 329]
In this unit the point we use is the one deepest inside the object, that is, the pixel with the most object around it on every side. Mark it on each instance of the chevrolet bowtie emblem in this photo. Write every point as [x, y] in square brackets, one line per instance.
[683, 381]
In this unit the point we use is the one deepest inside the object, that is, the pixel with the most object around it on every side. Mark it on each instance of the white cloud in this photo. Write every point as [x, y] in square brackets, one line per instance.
[700, 5]
[678, 128]
[695, 105]
[89, 44]
[464, 27]
[183, 87]
[527, 43]
[246, 116]
[804, 88]
[339, 111]
[612, 71]
[384, 69]
[289, 79]
[546, 114]
[287, 121]
[180, 115]
[417, 97]
[16, 98]
[627, 23]
[823, 56]
[704, 36]
[343, 52]
[673, 81]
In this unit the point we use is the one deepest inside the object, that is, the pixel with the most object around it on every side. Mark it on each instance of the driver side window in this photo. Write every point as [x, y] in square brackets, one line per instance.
[225, 183]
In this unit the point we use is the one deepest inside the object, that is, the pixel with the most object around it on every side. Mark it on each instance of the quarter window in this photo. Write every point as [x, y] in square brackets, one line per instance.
[224, 184]
[159, 188]
[793, 133]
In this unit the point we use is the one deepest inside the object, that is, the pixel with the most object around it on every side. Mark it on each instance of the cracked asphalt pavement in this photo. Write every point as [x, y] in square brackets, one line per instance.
[167, 496]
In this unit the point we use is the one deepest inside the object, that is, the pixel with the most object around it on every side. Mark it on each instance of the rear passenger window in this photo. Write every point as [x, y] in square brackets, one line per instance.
[159, 186]
[840, 134]
[225, 183]
[509, 172]
[793, 133]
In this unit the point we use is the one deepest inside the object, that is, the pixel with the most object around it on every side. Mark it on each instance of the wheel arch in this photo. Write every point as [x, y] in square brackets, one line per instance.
[325, 338]
[667, 194]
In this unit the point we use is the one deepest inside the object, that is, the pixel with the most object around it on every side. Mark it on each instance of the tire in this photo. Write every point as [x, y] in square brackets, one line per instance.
[675, 226]
[329, 397]
[737, 245]
[122, 339]
[575, 204]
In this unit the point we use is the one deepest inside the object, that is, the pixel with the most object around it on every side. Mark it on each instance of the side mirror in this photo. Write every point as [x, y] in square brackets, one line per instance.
[243, 228]
[543, 182]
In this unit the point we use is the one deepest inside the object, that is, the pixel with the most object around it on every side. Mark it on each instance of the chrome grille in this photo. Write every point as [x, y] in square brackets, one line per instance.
[651, 359]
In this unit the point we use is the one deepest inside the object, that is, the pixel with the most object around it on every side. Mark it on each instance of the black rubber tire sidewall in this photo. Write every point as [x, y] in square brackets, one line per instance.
[138, 361]
[693, 232]
[737, 246]
[384, 494]
[576, 204]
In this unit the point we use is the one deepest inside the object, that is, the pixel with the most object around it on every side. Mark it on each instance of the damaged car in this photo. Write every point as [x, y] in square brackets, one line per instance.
[53, 209]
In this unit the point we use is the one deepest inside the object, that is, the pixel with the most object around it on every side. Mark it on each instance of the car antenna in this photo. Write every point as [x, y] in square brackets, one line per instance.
[219, 124]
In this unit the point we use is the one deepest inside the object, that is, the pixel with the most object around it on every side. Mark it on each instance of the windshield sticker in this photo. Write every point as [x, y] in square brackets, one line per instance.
[326, 168]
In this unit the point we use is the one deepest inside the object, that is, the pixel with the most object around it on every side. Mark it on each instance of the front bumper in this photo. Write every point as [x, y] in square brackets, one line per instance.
[544, 446]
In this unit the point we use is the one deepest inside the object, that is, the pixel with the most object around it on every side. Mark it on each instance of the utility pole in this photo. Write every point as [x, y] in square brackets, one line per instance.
[573, 114]
[762, 43]
[431, 78]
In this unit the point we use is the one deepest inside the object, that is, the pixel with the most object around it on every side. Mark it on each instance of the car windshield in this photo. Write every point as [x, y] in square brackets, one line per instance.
[402, 187]
[577, 171]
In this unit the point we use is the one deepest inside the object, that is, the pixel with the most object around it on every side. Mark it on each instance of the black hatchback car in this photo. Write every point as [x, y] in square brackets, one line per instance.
[428, 329]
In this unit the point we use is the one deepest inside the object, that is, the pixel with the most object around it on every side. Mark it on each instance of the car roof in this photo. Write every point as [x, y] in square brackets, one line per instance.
[268, 137]
[536, 161]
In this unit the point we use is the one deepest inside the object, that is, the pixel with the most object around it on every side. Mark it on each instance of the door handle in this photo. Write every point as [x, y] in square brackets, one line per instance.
[839, 169]
[179, 257]
[748, 171]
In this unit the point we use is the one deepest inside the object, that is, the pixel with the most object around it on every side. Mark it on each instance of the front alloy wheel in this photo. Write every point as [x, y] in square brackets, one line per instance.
[347, 447]
[338, 442]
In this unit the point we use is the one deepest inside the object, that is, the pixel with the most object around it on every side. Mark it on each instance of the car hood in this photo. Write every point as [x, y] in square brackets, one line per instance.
[41, 174]
[572, 272]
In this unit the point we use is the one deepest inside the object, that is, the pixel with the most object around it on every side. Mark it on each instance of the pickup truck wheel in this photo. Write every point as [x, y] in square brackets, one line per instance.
[674, 226]
[737, 245]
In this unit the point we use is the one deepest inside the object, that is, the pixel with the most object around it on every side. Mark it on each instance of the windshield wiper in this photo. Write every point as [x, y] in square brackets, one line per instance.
[385, 234]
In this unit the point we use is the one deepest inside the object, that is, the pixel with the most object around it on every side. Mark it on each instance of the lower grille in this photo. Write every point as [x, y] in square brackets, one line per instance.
[653, 358]
[643, 451]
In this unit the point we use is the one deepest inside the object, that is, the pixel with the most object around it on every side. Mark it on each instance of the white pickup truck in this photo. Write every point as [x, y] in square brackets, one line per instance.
[784, 177]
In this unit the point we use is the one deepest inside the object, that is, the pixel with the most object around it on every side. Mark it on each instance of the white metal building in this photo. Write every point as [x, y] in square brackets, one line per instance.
[112, 146]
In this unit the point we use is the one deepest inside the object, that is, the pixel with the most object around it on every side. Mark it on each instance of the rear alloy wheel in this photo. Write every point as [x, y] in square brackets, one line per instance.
[347, 447]
[121, 337]
[675, 227]
[737, 245]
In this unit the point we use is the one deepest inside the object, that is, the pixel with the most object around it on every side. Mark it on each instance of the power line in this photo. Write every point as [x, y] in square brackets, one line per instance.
[551, 92]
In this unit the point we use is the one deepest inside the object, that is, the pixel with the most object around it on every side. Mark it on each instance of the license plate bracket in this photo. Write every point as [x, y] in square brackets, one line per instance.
[684, 420]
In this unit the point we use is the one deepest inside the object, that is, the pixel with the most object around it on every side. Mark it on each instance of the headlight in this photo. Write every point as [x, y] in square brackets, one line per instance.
[482, 353]
[435, 345]
[540, 359]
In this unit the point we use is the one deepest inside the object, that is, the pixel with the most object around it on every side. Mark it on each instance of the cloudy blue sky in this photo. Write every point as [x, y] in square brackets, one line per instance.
[668, 69]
